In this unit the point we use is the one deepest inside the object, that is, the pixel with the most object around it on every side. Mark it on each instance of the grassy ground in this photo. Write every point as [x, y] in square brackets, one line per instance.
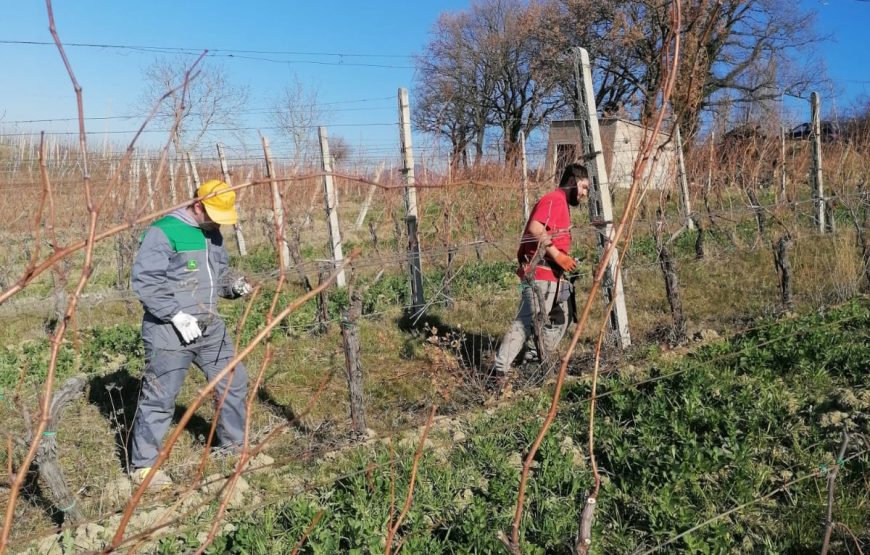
[406, 368]
[751, 421]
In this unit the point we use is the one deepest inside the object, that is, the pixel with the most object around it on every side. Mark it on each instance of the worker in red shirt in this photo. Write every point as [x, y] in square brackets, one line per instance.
[543, 259]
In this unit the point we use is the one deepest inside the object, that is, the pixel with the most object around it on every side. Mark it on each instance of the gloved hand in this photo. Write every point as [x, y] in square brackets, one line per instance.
[241, 287]
[187, 326]
[565, 262]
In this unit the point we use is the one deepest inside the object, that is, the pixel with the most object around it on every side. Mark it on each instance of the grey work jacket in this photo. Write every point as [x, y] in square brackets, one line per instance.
[180, 268]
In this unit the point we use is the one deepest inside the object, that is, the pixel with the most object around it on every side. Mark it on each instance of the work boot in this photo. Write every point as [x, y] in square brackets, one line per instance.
[160, 479]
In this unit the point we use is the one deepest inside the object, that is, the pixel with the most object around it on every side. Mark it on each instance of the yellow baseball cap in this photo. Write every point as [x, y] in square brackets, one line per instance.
[220, 207]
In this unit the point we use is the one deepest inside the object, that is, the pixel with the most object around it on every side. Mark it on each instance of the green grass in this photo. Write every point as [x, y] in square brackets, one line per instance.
[719, 428]
[406, 370]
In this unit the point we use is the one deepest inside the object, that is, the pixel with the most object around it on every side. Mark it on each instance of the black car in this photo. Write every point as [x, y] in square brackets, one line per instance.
[827, 129]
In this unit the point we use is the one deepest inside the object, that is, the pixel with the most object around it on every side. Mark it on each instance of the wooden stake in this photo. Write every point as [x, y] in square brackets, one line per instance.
[709, 186]
[684, 185]
[818, 186]
[782, 181]
[330, 203]
[173, 195]
[600, 208]
[194, 175]
[365, 207]
[411, 218]
[188, 180]
[279, 205]
[525, 176]
[149, 186]
[237, 227]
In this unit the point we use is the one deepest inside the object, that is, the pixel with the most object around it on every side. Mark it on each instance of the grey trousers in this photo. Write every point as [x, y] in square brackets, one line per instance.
[523, 326]
[165, 371]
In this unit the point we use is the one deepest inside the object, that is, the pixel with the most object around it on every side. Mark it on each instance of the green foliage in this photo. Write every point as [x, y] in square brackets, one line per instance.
[98, 350]
[260, 259]
[719, 428]
[389, 293]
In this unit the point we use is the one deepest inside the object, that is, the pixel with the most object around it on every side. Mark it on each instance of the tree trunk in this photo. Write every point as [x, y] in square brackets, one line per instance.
[46, 454]
[373, 232]
[322, 324]
[353, 365]
[672, 284]
[699, 241]
[760, 218]
[293, 248]
[783, 269]
[448, 278]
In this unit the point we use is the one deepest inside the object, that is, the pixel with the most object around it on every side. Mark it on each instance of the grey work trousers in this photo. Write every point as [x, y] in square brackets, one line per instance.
[523, 326]
[165, 371]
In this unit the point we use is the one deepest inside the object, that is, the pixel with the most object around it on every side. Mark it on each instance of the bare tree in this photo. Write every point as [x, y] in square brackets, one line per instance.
[489, 65]
[339, 149]
[210, 101]
[736, 51]
[454, 85]
[298, 112]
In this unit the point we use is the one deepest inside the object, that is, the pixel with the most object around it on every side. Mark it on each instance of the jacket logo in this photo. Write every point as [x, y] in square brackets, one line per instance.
[191, 265]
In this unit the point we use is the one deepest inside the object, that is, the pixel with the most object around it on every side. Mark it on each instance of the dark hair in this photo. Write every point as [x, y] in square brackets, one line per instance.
[577, 171]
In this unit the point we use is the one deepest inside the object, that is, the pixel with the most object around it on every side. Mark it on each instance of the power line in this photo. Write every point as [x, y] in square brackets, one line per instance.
[199, 50]
[250, 111]
[137, 116]
[231, 53]
[228, 129]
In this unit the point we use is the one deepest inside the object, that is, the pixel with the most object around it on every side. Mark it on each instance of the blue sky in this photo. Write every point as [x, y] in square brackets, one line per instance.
[847, 23]
[361, 98]
[382, 33]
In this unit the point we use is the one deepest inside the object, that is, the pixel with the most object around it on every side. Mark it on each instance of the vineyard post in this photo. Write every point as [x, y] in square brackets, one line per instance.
[132, 183]
[709, 185]
[149, 185]
[191, 188]
[330, 203]
[684, 185]
[411, 218]
[818, 185]
[600, 208]
[237, 227]
[279, 205]
[782, 175]
[20, 158]
[372, 188]
[525, 176]
[30, 155]
[173, 195]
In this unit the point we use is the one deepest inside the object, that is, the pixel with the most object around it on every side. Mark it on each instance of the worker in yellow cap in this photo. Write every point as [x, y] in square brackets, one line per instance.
[180, 270]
